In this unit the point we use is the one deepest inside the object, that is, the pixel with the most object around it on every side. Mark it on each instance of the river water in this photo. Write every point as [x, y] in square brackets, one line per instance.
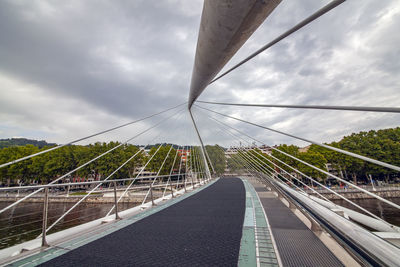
[379, 208]
[24, 222]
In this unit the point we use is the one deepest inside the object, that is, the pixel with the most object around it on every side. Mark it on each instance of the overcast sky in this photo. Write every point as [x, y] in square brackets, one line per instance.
[72, 68]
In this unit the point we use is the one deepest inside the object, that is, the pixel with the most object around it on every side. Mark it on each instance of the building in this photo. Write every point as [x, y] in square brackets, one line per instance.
[265, 149]
[143, 172]
[234, 150]
[304, 149]
[184, 154]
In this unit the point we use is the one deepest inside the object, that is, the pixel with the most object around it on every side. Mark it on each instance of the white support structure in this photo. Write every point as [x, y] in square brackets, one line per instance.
[201, 147]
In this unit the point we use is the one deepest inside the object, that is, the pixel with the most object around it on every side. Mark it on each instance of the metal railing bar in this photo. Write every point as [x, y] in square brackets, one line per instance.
[87, 137]
[52, 217]
[209, 160]
[350, 108]
[133, 188]
[235, 161]
[192, 167]
[169, 178]
[275, 165]
[310, 178]
[377, 162]
[24, 233]
[388, 224]
[32, 213]
[69, 211]
[207, 170]
[144, 167]
[75, 219]
[79, 183]
[235, 136]
[116, 170]
[140, 170]
[325, 172]
[254, 167]
[357, 206]
[221, 124]
[323, 186]
[200, 165]
[300, 25]
[180, 167]
[158, 172]
[90, 161]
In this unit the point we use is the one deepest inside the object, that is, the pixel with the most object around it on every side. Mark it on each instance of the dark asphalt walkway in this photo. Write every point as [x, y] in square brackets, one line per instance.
[202, 230]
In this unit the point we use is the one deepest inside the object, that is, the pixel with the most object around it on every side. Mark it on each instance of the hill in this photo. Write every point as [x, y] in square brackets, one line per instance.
[23, 142]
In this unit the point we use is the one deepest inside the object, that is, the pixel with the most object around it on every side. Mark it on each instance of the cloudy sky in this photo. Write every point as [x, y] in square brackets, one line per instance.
[72, 68]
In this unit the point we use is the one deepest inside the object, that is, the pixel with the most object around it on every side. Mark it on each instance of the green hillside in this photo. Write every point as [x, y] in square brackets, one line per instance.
[9, 142]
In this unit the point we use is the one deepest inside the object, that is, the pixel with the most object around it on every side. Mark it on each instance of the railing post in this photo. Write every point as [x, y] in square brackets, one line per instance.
[151, 195]
[184, 184]
[116, 201]
[45, 211]
[172, 190]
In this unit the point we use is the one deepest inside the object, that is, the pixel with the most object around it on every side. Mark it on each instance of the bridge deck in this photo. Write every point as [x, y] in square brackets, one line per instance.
[202, 230]
[222, 224]
[296, 243]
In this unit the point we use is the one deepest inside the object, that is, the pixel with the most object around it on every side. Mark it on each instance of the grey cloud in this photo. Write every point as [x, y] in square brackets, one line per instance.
[127, 59]
[65, 54]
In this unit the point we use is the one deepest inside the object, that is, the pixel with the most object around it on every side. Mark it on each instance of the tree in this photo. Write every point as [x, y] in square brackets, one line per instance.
[315, 159]
[155, 164]
[236, 163]
[292, 150]
[217, 158]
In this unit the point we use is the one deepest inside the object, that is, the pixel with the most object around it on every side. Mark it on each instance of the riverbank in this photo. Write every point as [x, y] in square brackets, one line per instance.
[385, 192]
[360, 195]
[379, 208]
[131, 198]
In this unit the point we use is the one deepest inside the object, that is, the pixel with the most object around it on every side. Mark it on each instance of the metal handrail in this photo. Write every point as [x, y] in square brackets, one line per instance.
[351, 190]
[82, 183]
[371, 244]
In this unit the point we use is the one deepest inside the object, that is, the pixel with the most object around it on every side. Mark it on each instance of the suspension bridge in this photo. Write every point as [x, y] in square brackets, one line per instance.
[263, 213]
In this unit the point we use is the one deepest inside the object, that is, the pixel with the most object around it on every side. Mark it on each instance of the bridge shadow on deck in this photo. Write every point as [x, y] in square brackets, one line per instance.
[202, 230]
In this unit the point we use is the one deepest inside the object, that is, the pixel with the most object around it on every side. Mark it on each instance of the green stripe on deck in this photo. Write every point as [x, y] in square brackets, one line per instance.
[255, 226]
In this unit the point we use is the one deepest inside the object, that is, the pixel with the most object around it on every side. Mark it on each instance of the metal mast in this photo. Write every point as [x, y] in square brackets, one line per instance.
[225, 26]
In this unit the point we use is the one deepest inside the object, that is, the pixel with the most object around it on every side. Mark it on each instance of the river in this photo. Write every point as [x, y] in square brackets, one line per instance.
[24, 222]
[379, 208]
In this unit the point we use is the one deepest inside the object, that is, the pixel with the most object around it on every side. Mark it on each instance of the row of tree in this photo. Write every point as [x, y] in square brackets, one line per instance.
[383, 145]
[47, 167]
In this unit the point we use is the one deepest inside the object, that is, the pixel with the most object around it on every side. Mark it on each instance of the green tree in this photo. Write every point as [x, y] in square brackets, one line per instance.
[217, 158]
[291, 150]
[316, 159]
[155, 164]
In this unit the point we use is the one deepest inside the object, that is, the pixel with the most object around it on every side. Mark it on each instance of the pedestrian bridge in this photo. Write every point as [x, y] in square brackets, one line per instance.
[227, 222]
[257, 214]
